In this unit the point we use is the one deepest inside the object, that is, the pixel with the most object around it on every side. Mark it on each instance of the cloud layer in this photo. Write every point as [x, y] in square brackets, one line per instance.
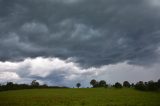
[94, 32]
[90, 33]
[54, 71]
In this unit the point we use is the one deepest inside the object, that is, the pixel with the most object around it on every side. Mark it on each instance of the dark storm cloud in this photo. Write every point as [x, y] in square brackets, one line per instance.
[93, 32]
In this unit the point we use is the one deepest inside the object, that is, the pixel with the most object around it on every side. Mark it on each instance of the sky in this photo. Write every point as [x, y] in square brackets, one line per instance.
[63, 42]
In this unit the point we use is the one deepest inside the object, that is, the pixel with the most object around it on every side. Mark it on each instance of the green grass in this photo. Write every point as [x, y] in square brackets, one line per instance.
[79, 97]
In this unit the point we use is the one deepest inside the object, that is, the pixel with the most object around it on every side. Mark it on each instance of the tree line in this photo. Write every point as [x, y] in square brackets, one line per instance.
[34, 84]
[143, 86]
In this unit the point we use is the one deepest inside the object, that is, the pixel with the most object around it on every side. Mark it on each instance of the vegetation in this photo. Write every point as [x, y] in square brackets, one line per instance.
[147, 86]
[79, 97]
[118, 85]
[126, 84]
[128, 95]
[78, 85]
[96, 84]
[34, 85]
[93, 82]
[142, 86]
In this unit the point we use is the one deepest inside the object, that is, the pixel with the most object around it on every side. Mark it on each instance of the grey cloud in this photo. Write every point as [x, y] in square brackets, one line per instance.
[54, 71]
[93, 32]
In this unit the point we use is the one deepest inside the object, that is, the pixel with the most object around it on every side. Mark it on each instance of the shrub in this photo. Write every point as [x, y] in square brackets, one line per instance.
[140, 86]
[126, 84]
[118, 85]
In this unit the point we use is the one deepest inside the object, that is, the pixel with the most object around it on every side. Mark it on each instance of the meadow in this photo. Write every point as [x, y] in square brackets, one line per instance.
[79, 97]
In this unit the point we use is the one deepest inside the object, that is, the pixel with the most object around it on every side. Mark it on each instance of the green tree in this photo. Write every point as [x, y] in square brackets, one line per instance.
[140, 86]
[102, 83]
[34, 83]
[132, 85]
[118, 85]
[93, 82]
[126, 84]
[9, 84]
[78, 85]
[158, 82]
[152, 86]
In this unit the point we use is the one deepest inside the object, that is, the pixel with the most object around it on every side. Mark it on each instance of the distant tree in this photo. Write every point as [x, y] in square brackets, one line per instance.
[44, 85]
[93, 82]
[34, 83]
[10, 84]
[118, 85]
[140, 86]
[146, 83]
[102, 83]
[78, 85]
[132, 85]
[147, 86]
[126, 84]
[22, 86]
[96, 85]
[152, 86]
[158, 82]
[1, 87]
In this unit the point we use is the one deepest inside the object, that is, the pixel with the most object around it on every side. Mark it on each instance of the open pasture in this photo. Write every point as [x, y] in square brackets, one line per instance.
[79, 97]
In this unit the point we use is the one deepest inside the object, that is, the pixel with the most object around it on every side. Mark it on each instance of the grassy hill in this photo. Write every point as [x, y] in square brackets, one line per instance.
[79, 97]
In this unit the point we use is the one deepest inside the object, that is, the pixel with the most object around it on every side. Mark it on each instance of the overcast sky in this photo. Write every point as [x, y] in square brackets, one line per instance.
[62, 42]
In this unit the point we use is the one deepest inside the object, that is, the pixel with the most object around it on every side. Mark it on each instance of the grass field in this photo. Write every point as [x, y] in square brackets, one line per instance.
[79, 97]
